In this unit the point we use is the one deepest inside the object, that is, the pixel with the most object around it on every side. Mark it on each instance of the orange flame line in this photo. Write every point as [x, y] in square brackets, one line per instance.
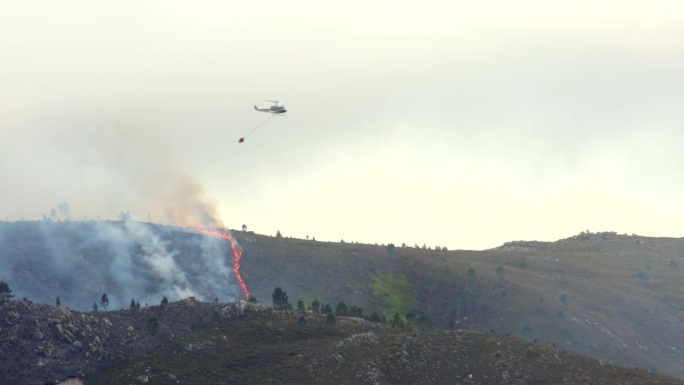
[237, 254]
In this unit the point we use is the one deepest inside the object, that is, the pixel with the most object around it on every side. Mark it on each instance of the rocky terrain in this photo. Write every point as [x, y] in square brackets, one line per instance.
[194, 342]
[42, 344]
[280, 348]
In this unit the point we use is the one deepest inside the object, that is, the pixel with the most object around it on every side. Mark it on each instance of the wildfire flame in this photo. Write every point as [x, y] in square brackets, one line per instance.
[237, 254]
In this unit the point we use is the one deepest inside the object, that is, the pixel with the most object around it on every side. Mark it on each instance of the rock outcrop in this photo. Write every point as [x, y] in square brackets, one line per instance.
[42, 344]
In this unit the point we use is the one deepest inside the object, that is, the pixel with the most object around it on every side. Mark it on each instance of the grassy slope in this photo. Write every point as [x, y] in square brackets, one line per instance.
[274, 348]
[614, 298]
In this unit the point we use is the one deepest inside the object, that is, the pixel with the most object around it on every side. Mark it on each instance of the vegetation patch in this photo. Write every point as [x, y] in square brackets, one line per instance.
[395, 293]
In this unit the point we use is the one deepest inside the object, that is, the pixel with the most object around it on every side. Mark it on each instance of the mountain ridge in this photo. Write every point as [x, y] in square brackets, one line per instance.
[617, 298]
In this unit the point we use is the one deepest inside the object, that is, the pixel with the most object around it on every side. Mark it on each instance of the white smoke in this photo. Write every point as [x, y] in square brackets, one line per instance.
[79, 261]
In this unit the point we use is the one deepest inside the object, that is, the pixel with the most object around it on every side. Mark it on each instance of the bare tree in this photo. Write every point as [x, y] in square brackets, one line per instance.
[65, 210]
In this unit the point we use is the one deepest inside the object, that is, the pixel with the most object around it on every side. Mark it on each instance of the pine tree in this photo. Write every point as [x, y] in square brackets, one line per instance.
[330, 319]
[104, 301]
[164, 301]
[341, 309]
[5, 292]
[58, 303]
[316, 306]
[280, 301]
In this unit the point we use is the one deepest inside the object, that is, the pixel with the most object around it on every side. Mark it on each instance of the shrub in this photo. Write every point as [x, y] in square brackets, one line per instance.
[152, 323]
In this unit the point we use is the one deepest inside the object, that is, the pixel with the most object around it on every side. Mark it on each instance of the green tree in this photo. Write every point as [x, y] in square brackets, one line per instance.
[326, 309]
[301, 321]
[104, 301]
[132, 303]
[423, 322]
[354, 311]
[472, 275]
[252, 299]
[278, 234]
[58, 303]
[164, 301]
[5, 292]
[398, 320]
[94, 306]
[341, 309]
[316, 306]
[390, 247]
[300, 305]
[280, 301]
[330, 319]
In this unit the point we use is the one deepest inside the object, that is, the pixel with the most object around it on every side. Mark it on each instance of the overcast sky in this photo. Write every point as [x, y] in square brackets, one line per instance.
[458, 124]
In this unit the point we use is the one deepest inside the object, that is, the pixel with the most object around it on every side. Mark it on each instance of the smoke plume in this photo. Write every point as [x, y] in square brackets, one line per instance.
[78, 261]
[103, 166]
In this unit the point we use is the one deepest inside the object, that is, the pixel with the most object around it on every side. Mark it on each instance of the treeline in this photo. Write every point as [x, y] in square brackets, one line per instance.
[409, 320]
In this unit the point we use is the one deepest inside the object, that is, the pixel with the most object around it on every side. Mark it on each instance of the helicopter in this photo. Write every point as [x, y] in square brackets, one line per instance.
[277, 108]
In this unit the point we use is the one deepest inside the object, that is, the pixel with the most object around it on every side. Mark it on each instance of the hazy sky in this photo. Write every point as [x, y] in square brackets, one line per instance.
[458, 124]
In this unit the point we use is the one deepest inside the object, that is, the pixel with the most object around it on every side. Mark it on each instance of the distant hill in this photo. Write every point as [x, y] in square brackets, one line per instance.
[617, 298]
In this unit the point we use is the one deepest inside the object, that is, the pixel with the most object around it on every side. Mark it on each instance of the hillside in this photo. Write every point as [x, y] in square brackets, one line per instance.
[267, 348]
[194, 342]
[613, 297]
